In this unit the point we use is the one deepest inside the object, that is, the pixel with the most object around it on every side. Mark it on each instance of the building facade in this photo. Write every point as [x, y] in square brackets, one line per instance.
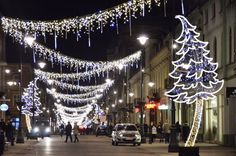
[216, 22]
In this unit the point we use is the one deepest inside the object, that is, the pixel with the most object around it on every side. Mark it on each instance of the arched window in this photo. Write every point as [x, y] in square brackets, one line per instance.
[215, 50]
[230, 46]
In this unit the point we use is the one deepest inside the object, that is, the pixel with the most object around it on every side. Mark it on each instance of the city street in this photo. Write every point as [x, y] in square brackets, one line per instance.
[91, 145]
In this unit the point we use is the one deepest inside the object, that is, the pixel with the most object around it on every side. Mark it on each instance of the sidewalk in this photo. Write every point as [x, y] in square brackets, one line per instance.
[25, 148]
[205, 149]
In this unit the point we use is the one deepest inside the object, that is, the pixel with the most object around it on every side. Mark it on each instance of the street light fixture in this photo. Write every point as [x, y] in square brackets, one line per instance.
[131, 94]
[7, 71]
[29, 40]
[151, 84]
[42, 64]
[142, 40]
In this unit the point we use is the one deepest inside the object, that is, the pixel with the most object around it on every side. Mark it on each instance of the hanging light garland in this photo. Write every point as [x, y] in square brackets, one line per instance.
[108, 66]
[85, 95]
[71, 87]
[69, 98]
[84, 24]
[72, 109]
[56, 56]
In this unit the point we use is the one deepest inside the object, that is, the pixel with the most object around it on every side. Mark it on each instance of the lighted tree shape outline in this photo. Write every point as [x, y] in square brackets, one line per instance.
[195, 74]
[27, 97]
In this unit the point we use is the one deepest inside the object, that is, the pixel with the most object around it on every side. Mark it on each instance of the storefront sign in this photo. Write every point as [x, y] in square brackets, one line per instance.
[150, 105]
[4, 107]
[163, 107]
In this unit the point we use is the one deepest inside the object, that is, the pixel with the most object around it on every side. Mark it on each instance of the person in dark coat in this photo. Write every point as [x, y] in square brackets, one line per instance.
[10, 131]
[68, 130]
[2, 125]
[178, 130]
[61, 129]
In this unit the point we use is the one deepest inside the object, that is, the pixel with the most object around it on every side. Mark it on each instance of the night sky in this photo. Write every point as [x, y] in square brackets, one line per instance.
[55, 9]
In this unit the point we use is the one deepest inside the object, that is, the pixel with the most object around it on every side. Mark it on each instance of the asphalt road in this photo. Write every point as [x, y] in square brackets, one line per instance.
[90, 145]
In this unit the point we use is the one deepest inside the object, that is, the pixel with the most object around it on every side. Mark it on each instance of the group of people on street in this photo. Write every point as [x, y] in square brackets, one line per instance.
[68, 131]
[162, 131]
[8, 131]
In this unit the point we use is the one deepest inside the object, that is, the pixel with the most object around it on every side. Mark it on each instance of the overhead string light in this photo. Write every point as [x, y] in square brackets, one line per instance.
[77, 87]
[71, 98]
[84, 95]
[79, 24]
[108, 66]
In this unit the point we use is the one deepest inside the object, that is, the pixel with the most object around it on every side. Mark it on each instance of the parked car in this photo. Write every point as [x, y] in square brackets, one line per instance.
[101, 130]
[126, 133]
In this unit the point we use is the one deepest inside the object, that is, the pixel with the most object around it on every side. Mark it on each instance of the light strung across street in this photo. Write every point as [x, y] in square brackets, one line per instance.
[85, 24]
[71, 87]
[66, 97]
[113, 65]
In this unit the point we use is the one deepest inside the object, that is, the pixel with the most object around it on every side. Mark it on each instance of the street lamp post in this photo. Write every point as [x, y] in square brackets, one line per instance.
[173, 146]
[20, 138]
[142, 40]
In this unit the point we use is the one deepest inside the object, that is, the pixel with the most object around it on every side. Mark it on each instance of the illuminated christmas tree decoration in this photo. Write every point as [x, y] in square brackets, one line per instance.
[31, 99]
[195, 75]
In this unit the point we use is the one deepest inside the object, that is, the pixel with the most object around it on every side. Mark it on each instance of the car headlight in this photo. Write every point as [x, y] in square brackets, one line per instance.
[47, 130]
[120, 135]
[36, 129]
[137, 136]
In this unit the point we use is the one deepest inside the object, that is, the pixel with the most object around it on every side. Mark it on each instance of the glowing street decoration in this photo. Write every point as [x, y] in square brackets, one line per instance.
[103, 68]
[195, 74]
[71, 98]
[71, 87]
[84, 24]
[31, 99]
[59, 58]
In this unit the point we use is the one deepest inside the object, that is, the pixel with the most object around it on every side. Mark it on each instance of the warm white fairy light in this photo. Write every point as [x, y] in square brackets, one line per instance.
[82, 24]
[63, 85]
[84, 95]
[195, 74]
[74, 98]
[58, 57]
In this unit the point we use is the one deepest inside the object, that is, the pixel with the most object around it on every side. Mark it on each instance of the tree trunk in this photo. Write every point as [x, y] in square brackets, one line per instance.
[196, 124]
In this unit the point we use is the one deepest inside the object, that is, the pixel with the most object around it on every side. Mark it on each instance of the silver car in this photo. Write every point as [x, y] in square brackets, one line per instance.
[126, 133]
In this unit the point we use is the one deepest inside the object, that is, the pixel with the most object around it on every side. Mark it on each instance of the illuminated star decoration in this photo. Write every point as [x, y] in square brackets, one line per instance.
[195, 74]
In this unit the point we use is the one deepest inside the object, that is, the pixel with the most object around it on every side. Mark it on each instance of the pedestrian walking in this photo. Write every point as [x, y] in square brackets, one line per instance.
[2, 125]
[178, 130]
[68, 130]
[76, 132]
[10, 131]
[61, 130]
[166, 130]
[153, 129]
[159, 131]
